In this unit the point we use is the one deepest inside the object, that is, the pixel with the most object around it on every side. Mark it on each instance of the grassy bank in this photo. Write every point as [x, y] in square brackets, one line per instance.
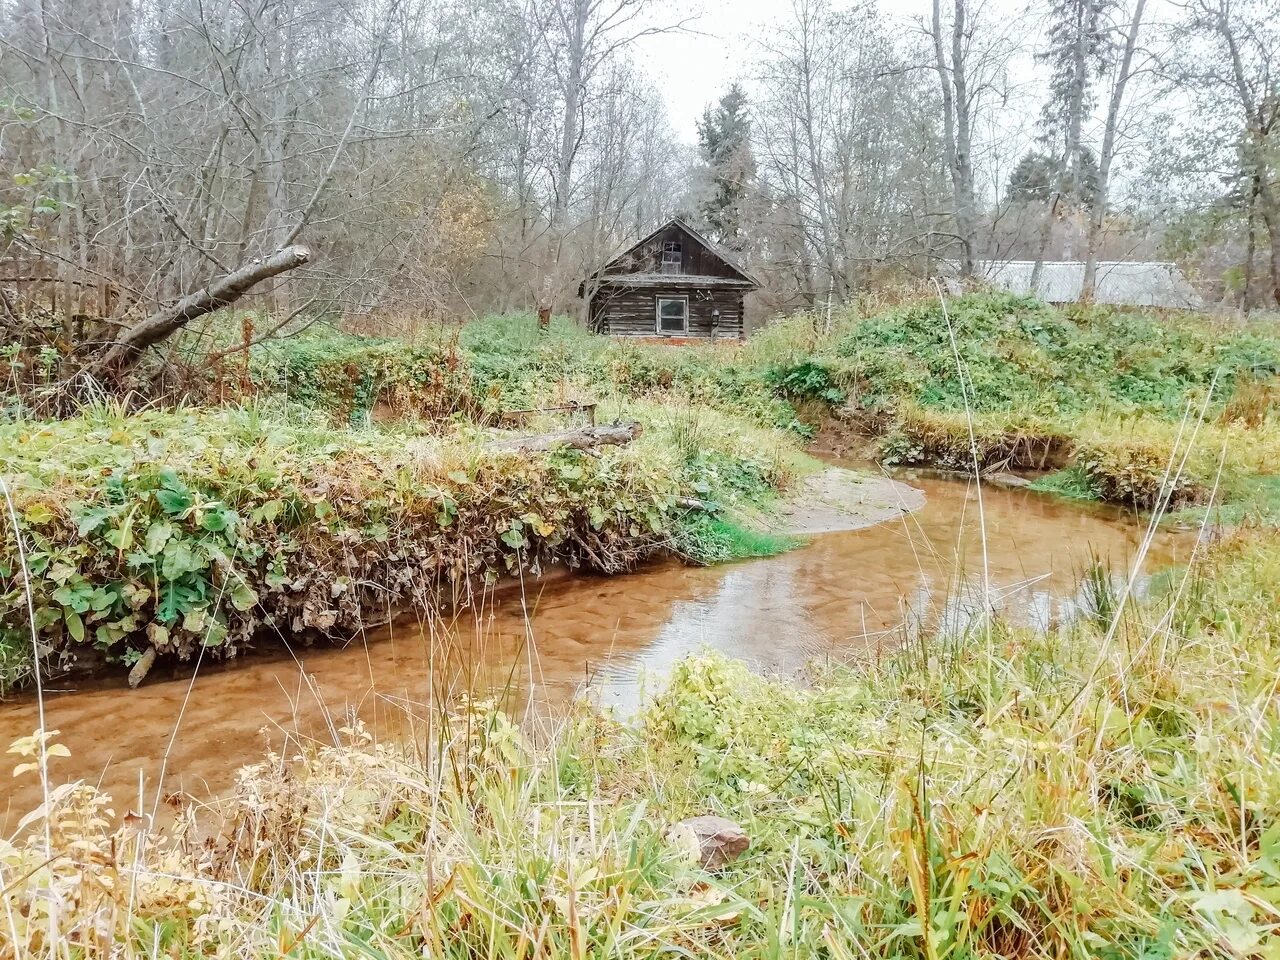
[490, 367]
[201, 528]
[332, 478]
[1108, 790]
[205, 528]
[1113, 397]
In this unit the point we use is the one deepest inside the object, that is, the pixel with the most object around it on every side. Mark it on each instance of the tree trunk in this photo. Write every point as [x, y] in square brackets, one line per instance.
[1257, 158]
[1046, 233]
[1251, 247]
[569, 132]
[1088, 286]
[124, 352]
[1271, 219]
[957, 135]
[275, 50]
[585, 438]
[966, 219]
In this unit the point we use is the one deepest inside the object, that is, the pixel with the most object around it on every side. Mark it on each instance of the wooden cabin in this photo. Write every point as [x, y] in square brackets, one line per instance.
[675, 284]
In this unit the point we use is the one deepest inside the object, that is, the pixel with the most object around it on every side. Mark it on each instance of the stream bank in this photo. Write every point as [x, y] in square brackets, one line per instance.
[843, 596]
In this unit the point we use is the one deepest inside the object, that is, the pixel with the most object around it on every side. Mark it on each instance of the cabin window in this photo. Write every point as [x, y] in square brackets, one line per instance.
[673, 314]
[671, 256]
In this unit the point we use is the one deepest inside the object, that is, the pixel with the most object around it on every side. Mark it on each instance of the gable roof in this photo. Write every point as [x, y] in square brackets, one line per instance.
[729, 259]
[1122, 282]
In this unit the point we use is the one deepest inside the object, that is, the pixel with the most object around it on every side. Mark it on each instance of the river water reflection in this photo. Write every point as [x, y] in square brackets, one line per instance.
[844, 595]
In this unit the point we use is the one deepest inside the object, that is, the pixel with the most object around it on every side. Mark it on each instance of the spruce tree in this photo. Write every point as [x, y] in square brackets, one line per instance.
[724, 138]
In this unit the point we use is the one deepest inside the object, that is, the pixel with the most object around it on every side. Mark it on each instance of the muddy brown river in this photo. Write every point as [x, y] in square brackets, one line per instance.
[843, 596]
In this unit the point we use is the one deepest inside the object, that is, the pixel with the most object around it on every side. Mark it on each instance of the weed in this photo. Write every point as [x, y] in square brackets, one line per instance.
[1023, 795]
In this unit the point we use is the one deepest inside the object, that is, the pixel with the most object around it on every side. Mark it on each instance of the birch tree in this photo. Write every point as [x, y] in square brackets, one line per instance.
[957, 125]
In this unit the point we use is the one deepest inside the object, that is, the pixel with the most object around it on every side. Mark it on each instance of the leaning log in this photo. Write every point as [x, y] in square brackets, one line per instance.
[123, 353]
[585, 438]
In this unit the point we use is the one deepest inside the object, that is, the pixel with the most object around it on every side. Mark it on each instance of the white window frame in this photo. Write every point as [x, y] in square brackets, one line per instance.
[657, 314]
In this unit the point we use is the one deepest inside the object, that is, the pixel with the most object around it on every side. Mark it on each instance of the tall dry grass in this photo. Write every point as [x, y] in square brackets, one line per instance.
[1109, 788]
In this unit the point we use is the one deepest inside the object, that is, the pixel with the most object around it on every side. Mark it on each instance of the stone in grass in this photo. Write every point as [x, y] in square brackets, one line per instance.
[712, 841]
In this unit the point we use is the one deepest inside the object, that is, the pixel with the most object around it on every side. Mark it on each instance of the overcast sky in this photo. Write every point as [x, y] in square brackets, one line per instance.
[723, 39]
[693, 68]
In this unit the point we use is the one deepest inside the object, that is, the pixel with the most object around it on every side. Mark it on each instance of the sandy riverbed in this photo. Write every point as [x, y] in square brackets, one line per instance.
[837, 499]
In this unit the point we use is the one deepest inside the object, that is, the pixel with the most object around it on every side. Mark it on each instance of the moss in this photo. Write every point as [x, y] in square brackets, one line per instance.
[1073, 482]
[708, 539]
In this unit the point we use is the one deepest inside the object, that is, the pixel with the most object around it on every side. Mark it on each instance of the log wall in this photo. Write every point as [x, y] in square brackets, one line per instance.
[633, 312]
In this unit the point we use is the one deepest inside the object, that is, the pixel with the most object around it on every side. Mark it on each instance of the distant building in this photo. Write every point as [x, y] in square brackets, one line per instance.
[1127, 283]
[675, 284]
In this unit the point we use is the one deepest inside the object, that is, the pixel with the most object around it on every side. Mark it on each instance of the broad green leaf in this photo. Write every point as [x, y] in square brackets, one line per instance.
[174, 502]
[38, 513]
[243, 597]
[216, 520]
[157, 536]
[91, 519]
[75, 626]
[180, 558]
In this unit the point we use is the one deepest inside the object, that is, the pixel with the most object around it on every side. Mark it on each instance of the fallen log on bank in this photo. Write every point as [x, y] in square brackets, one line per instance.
[584, 438]
[124, 352]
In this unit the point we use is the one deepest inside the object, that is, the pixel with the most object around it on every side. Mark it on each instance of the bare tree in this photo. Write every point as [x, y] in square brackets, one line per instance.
[847, 149]
[1238, 67]
[1122, 74]
[957, 126]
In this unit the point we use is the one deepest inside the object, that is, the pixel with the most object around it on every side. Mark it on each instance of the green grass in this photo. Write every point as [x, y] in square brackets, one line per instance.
[1113, 396]
[709, 539]
[1020, 356]
[1110, 789]
[504, 363]
[1073, 482]
[1100, 390]
[1256, 502]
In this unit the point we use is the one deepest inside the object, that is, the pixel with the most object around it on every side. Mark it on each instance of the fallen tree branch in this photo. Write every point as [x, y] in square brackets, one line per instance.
[585, 438]
[125, 350]
[142, 667]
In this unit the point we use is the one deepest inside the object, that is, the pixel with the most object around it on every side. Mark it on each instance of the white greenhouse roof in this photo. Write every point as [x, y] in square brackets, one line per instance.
[1131, 283]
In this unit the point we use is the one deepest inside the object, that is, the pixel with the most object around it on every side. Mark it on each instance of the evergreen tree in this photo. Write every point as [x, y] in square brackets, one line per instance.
[1039, 173]
[724, 138]
[1079, 49]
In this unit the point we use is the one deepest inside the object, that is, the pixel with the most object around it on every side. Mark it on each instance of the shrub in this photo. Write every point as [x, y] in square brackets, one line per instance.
[348, 376]
[197, 529]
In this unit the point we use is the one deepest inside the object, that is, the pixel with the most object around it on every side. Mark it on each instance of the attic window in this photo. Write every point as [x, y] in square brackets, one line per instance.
[671, 256]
